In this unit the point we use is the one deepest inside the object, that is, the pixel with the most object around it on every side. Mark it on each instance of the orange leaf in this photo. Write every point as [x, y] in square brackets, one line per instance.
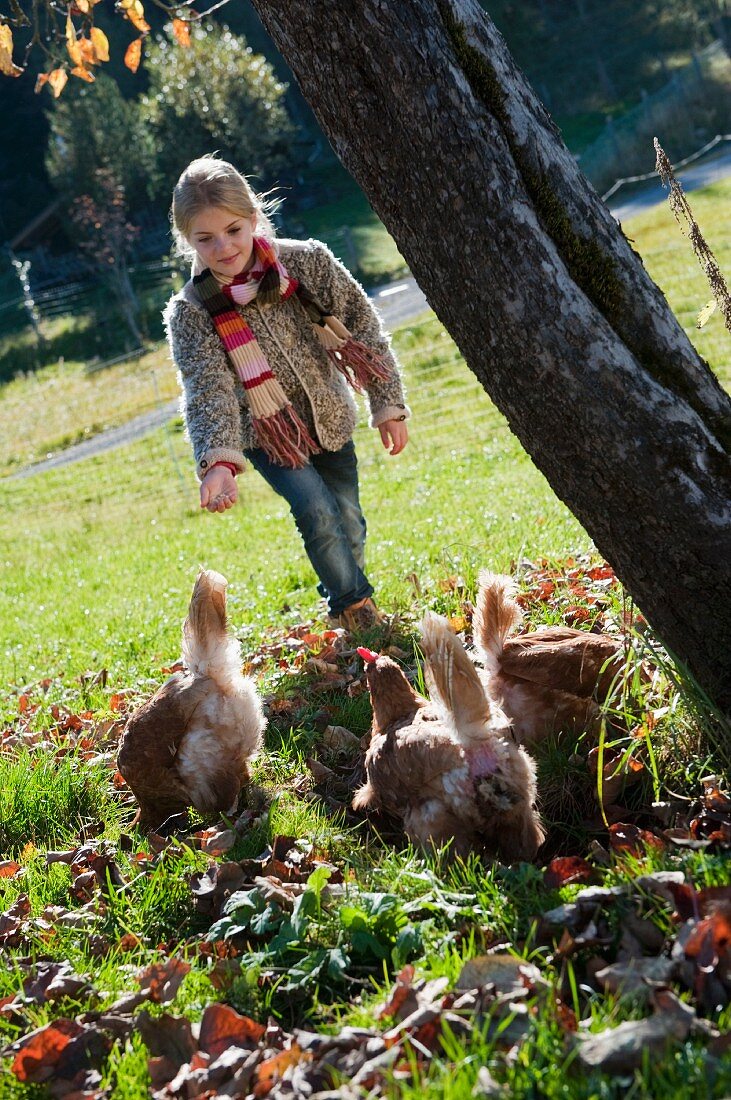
[133, 55]
[100, 44]
[87, 51]
[74, 50]
[40, 1052]
[83, 74]
[270, 1071]
[9, 868]
[135, 12]
[7, 65]
[223, 1027]
[565, 869]
[181, 30]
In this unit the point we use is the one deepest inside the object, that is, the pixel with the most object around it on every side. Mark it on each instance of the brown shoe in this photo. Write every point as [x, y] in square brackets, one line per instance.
[363, 615]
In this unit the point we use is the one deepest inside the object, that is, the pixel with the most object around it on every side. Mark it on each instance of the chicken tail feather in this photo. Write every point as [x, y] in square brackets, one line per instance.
[497, 614]
[365, 798]
[208, 648]
[453, 681]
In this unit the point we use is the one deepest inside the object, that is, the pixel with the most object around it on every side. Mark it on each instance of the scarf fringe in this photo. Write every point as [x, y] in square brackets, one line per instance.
[285, 439]
[359, 364]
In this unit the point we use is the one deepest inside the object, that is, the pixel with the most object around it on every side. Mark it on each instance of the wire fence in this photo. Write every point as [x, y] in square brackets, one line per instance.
[454, 423]
[695, 100]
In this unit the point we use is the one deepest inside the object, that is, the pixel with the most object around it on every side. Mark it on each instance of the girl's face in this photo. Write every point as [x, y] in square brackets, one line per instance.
[223, 240]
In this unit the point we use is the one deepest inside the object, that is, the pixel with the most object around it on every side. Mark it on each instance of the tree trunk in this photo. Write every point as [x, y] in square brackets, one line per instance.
[550, 306]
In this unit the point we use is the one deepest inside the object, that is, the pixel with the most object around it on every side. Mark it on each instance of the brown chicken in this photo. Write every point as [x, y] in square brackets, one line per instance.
[447, 767]
[189, 745]
[546, 681]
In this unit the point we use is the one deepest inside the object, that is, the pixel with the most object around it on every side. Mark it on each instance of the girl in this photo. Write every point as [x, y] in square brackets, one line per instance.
[269, 338]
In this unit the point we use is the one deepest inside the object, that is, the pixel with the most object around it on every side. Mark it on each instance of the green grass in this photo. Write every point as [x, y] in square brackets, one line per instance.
[356, 235]
[120, 537]
[98, 563]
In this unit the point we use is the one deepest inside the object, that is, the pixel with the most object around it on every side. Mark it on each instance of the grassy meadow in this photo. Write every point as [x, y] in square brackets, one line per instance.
[99, 558]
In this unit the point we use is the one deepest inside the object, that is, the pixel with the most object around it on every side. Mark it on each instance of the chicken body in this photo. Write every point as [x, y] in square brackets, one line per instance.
[545, 681]
[190, 744]
[447, 767]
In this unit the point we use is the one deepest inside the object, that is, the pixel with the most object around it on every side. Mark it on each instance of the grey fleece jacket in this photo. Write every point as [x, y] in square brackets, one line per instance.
[213, 400]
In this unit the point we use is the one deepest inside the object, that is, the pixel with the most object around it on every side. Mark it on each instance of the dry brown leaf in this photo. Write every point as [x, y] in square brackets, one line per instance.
[632, 977]
[566, 869]
[622, 1049]
[507, 973]
[341, 740]
[632, 840]
[223, 1027]
[161, 981]
[273, 1069]
[214, 842]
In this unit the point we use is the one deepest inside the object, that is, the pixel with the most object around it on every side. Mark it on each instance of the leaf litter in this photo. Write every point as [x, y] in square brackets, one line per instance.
[303, 922]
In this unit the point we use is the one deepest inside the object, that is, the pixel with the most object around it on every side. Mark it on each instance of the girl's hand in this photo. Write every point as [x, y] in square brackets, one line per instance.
[219, 490]
[394, 435]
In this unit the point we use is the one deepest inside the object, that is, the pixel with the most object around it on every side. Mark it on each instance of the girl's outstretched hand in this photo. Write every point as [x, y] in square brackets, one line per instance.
[394, 435]
[219, 490]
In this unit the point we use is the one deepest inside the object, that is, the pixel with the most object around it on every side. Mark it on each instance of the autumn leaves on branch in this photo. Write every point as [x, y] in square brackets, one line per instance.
[74, 49]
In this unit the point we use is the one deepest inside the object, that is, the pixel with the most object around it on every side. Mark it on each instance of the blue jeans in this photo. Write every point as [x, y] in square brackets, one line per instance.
[323, 498]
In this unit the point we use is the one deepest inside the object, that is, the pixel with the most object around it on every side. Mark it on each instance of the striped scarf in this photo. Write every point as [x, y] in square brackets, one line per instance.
[278, 428]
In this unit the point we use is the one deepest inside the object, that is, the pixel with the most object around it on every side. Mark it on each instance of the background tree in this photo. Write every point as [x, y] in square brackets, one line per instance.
[105, 237]
[96, 132]
[215, 95]
[537, 284]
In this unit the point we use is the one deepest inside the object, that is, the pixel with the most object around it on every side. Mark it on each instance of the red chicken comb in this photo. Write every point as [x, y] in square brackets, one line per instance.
[367, 654]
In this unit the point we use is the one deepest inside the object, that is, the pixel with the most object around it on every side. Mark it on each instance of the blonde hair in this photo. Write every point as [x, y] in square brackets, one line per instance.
[210, 181]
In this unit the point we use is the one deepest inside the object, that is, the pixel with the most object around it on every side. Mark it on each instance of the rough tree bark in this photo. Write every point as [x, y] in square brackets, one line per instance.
[550, 306]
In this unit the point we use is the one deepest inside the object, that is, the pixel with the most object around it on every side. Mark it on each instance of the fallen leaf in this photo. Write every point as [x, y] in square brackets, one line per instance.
[630, 840]
[57, 1052]
[506, 972]
[320, 772]
[273, 1069]
[622, 1049]
[168, 1037]
[161, 981]
[632, 977]
[566, 869]
[340, 740]
[223, 1027]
